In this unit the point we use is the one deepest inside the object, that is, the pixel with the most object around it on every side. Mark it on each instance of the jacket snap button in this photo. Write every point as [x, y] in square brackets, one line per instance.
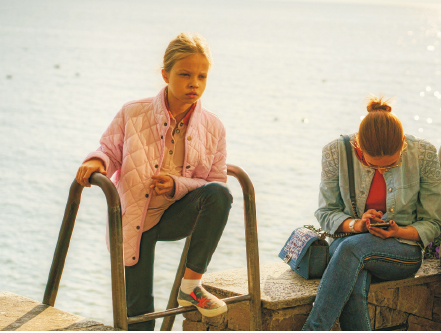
[156, 166]
[147, 195]
[181, 124]
[188, 167]
[178, 131]
[173, 141]
[165, 124]
[170, 152]
[138, 227]
[133, 258]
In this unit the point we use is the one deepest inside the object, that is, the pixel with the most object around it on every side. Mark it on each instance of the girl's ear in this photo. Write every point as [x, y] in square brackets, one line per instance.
[164, 75]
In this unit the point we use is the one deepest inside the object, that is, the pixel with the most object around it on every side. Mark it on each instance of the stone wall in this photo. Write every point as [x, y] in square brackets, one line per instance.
[412, 304]
[19, 313]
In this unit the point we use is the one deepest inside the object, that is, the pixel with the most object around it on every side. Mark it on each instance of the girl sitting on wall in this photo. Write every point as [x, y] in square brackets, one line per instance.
[397, 179]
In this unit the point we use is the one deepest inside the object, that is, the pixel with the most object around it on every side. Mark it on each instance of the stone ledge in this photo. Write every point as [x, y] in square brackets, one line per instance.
[281, 288]
[18, 313]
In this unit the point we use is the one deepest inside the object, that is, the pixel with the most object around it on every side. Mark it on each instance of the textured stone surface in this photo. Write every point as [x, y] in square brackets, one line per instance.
[238, 316]
[417, 300]
[436, 309]
[188, 325]
[372, 310]
[220, 322]
[384, 297]
[387, 317]
[193, 316]
[282, 288]
[421, 324]
[436, 287]
[214, 328]
[18, 313]
[291, 319]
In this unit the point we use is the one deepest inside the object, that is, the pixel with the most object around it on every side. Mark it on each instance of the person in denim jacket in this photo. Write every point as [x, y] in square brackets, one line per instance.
[398, 180]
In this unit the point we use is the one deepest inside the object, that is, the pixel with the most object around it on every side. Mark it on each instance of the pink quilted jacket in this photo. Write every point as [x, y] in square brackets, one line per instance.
[132, 149]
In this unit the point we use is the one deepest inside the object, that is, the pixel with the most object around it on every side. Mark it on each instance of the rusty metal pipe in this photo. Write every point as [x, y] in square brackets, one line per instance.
[182, 309]
[167, 323]
[70, 214]
[252, 247]
[116, 252]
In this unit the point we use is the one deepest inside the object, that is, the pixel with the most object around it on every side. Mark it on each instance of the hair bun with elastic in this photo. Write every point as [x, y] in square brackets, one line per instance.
[377, 104]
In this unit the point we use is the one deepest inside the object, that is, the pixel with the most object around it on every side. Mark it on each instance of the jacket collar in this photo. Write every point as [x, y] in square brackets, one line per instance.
[161, 113]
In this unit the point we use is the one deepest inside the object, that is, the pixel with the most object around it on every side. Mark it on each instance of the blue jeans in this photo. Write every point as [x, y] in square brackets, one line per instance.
[344, 288]
[203, 213]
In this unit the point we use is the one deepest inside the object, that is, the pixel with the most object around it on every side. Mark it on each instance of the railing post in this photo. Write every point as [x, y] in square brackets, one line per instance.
[70, 214]
[116, 249]
[252, 247]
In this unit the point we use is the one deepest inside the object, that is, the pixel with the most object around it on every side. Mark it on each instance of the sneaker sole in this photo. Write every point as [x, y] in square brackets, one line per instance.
[205, 312]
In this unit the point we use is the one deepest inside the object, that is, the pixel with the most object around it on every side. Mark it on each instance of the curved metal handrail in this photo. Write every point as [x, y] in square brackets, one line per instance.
[253, 271]
[120, 318]
[116, 248]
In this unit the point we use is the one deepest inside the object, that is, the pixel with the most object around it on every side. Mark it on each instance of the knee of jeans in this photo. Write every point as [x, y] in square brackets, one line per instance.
[348, 246]
[220, 192]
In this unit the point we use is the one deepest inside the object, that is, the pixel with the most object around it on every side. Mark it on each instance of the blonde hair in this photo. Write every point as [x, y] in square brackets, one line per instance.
[381, 132]
[182, 46]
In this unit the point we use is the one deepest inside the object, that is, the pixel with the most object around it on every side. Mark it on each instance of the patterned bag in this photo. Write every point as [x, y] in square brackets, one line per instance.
[306, 252]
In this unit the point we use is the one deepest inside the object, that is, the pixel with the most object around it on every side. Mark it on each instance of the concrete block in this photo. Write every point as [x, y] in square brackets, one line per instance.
[214, 328]
[372, 312]
[387, 317]
[417, 300]
[220, 322]
[18, 313]
[188, 325]
[422, 324]
[193, 316]
[291, 319]
[384, 297]
[436, 287]
[436, 309]
[238, 316]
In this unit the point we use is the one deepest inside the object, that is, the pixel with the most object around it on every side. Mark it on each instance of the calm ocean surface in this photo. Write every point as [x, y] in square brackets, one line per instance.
[288, 77]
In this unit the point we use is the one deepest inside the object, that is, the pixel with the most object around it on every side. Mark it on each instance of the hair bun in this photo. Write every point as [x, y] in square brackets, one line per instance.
[377, 104]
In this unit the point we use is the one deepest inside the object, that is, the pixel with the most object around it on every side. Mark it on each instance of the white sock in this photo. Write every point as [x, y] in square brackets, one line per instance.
[187, 285]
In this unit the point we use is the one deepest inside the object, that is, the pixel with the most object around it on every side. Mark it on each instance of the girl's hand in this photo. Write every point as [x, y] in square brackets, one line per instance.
[87, 168]
[163, 185]
[383, 234]
[361, 224]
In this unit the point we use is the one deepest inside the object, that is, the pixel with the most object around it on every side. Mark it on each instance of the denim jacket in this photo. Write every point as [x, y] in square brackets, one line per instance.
[413, 194]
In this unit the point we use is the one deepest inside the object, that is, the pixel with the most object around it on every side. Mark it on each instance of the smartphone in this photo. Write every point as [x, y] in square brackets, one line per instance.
[377, 223]
[381, 225]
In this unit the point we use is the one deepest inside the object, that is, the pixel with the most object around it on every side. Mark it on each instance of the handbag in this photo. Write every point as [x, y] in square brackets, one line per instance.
[306, 251]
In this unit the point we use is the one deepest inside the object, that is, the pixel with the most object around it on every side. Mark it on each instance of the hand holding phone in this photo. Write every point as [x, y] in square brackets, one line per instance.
[378, 223]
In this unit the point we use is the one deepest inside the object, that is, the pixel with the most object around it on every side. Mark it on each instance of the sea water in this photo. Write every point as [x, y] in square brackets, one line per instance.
[288, 77]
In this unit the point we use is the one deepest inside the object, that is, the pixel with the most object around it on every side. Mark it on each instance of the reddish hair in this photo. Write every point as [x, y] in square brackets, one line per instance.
[381, 132]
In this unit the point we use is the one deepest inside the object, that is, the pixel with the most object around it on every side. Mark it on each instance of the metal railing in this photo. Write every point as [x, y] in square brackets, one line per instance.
[120, 318]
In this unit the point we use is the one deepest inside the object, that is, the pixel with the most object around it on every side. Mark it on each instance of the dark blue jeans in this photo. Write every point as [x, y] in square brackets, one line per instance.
[344, 288]
[203, 213]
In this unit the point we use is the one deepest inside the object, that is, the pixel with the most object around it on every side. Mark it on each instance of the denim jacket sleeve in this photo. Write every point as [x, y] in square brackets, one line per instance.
[331, 211]
[413, 196]
[428, 217]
